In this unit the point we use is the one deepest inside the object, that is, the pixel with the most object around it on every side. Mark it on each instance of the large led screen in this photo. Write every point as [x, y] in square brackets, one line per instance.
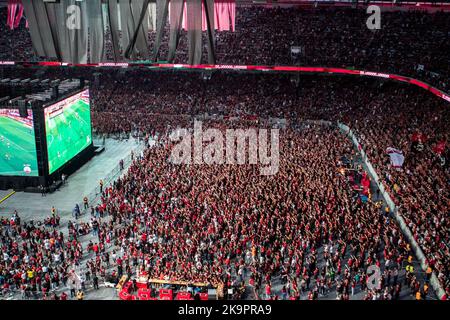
[68, 129]
[17, 144]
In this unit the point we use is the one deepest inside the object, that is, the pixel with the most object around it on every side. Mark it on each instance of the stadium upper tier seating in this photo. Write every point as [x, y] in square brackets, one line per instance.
[409, 43]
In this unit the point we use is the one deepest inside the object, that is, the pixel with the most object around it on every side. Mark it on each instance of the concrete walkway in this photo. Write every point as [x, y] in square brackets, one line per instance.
[33, 206]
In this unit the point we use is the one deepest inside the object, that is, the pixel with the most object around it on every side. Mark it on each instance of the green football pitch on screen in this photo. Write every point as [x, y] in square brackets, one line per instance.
[17, 145]
[68, 132]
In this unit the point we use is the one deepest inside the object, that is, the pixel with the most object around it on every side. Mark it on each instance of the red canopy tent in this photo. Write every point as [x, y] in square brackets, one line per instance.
[166, 294]
[144, 294]
[184, 296]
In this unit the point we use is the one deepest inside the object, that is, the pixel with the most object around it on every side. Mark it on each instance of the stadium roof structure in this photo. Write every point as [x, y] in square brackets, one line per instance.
[35, 90]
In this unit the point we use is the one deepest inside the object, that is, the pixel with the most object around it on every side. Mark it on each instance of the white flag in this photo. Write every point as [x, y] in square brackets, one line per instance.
[396, 156]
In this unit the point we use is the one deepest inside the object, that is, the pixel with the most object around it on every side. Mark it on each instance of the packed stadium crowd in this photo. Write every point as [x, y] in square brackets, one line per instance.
[382, 115]
[36, 257]
[309, 232]
[416, 124]
[15, 44]
[157, 206]
[227, 226]
[231, 226]
[408, 43]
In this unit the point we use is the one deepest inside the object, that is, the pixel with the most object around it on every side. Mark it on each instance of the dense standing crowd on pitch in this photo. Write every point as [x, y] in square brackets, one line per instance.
[382, 116]
[230, 226]
[281, 236]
